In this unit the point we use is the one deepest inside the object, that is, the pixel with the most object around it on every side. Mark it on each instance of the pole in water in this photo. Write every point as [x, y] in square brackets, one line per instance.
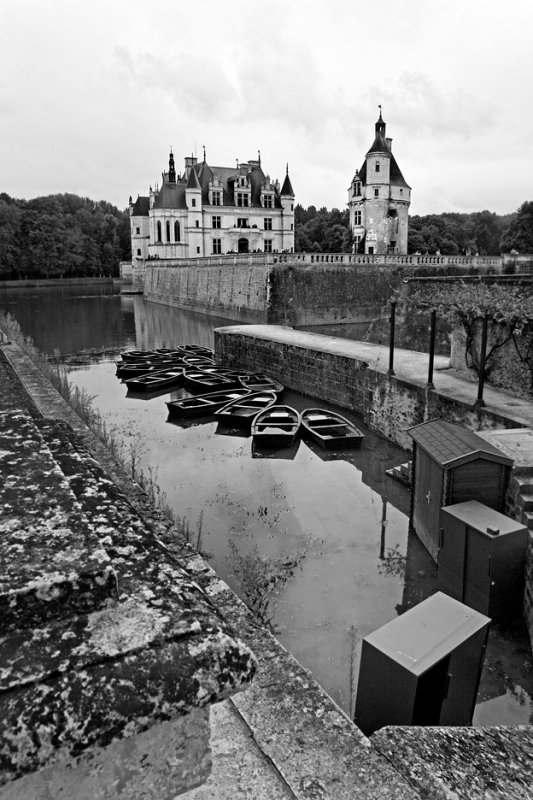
[392, 320]
[482, 356]
[430, 384]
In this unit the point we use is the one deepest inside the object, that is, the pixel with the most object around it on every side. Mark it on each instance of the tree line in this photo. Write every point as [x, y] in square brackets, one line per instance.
[61, 235]
[479, 232]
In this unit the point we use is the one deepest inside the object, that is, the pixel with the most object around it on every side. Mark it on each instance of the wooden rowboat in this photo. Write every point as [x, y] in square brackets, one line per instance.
[203, 405]
[330, 430]
[276, 426]
[130, 369]
[197, 380]
[258, 382]
[156, 381]
[243, 410]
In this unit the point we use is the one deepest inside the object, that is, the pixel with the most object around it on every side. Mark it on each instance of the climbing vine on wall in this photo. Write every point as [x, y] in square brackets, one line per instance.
[509, 310]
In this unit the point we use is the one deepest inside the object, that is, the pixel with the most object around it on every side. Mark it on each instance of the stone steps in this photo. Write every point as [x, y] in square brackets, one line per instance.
[402, 473]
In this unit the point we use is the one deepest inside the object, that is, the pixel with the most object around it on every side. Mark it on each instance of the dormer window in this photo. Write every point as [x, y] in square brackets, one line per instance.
[268, 201]
[357, 189]
[217, 199]
[242, 199]
[378, 166]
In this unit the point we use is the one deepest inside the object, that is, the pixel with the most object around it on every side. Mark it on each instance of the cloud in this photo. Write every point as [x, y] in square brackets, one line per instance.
[196, 85]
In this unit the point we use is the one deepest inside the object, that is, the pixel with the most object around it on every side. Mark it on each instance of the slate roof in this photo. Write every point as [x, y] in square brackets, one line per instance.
[200, 175]
[171, 195]
[287, 189]
[141, 207]
[448, 443]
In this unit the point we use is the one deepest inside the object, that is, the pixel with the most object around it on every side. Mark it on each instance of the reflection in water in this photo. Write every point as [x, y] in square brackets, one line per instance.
[324, 536]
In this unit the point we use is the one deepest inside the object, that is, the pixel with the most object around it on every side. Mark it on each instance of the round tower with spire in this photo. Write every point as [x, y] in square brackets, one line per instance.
[286, 197]
[379, 199]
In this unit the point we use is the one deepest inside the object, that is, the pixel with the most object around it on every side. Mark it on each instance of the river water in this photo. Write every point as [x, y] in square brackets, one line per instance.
[318, 546]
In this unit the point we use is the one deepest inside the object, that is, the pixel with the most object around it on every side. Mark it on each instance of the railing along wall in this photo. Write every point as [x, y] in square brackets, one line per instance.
[250, 259]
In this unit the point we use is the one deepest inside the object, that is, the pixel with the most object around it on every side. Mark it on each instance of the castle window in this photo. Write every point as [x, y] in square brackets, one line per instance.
[267, 201]
[193, 202]
[242, 222]
[198, 250]
[216, 222]
[292, 206]
[292, 226]
[217, 247]
[267, 223]
[378, 167]
[401, 191]
[138, 251]
[137, 230]
[376, 192]
[357, 189]
[168, 230]
[242, 199]
[357, 218]
[177, 236]
[159, 239]
[268, 245]
[197, 223]
[216, 199]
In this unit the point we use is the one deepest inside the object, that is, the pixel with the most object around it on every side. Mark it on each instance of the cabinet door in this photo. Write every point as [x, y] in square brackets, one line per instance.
[451, 558]
[478, 567]
[427, 501]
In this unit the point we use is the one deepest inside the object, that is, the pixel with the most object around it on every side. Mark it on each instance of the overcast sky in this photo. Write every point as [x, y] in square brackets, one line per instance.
[93, 95]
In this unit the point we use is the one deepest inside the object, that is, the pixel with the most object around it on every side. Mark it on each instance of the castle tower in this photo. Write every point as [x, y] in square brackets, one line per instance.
[379, 199]
[287, 203]
[193, 199]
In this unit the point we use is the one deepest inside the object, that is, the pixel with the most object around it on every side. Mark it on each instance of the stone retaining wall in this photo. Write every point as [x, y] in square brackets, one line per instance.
[295, 288]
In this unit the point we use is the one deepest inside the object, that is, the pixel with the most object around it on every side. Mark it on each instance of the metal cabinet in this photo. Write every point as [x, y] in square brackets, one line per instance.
[423, 668]
[452, 464]
[481, 559]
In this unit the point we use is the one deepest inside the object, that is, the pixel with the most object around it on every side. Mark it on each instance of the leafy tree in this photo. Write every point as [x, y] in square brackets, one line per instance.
[519, 234]
[61, 235]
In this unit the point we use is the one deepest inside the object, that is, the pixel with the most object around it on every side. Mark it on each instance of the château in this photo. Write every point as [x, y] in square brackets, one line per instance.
[213, 210]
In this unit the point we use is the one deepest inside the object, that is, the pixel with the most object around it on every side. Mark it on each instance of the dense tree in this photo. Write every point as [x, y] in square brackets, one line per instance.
[61, 235]
[519, 234]
[452, 233]
[321, 231]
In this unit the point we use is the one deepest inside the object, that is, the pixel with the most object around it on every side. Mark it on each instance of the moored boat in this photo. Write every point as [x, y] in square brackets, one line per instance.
[197, 380]
[156, 381]
[131, 369]
[197, 361]
[258, 382]
[197, 349]
[329, 429]
[276, 426]
[203, 405]
[243, 410]
[137, 355]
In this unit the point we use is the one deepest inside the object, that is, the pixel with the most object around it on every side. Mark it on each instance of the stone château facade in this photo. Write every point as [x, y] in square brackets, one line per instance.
[379, 199]
[213, 210]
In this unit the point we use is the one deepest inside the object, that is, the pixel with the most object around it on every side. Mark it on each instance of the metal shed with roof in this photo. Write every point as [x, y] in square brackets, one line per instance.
[452, 464]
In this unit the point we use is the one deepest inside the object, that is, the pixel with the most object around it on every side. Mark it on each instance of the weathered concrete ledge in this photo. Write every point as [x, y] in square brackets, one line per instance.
[100, 641]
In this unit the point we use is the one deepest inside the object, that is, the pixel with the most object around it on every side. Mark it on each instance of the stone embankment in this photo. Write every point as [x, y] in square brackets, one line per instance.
[299, 288]
[283, 738]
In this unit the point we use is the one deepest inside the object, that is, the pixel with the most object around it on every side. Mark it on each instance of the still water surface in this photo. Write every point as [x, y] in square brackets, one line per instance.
[318, 545]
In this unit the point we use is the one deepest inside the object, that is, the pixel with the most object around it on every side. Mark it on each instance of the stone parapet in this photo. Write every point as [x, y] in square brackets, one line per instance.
[110, 652]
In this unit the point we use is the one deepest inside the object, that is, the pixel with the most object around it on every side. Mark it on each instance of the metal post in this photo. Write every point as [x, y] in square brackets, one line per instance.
[392, 320]
[432, 348]
[481, 379]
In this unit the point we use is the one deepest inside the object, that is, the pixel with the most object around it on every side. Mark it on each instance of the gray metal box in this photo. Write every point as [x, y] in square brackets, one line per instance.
[481, 559]
[423, 668]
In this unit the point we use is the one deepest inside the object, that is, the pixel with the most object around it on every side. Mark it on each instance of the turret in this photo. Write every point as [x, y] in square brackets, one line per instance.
[287, 203]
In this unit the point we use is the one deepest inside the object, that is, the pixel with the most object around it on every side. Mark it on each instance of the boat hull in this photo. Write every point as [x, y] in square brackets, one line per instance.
[329, 430]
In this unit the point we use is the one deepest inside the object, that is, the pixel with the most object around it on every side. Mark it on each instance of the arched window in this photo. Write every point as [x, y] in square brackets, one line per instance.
[159, 239]
[177, 231]
[168, 230]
